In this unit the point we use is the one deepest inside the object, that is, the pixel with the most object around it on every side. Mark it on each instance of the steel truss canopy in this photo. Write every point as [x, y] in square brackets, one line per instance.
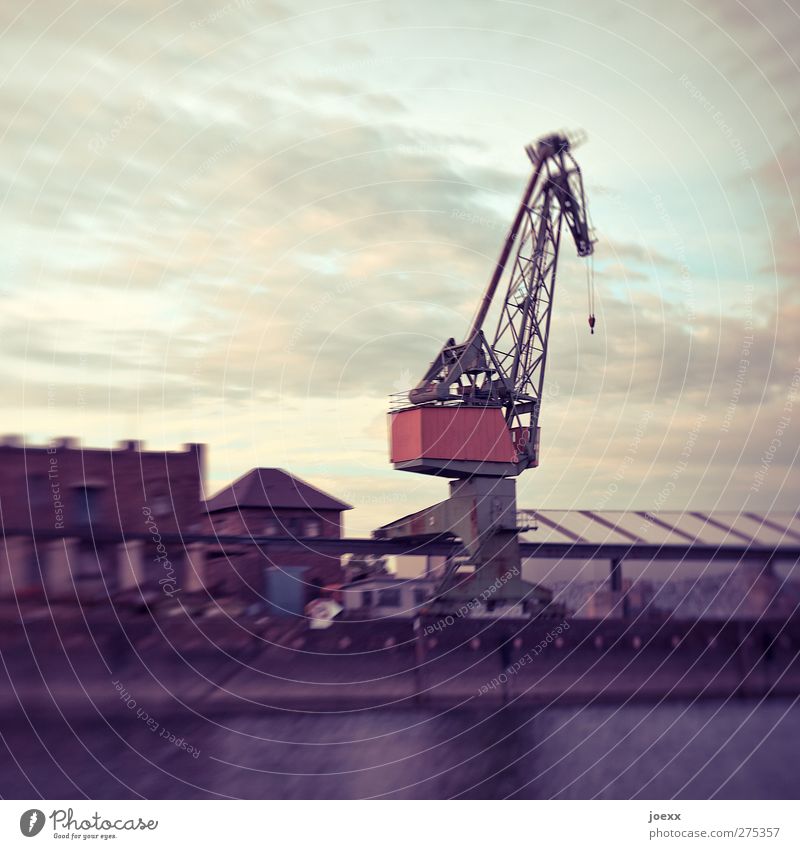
[570, 534]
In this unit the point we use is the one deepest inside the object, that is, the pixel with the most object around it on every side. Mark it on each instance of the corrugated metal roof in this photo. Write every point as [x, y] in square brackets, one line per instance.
[701, 527]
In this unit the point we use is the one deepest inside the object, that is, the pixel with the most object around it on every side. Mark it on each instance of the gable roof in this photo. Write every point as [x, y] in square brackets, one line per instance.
[273, 488]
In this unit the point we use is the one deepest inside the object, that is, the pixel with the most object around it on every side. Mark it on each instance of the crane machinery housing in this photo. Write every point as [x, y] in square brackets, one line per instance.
[474, 415]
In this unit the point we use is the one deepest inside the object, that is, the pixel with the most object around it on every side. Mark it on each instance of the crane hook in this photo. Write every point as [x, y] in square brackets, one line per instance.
[591, 323]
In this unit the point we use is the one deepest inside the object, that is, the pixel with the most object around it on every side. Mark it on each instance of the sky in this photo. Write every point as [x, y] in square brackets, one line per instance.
[248, 223]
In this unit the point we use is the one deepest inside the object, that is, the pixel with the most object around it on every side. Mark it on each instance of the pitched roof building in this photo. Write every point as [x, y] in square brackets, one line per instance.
[272, 502]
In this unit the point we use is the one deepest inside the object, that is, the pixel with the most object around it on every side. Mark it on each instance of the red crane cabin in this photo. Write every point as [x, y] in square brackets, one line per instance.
[453, 441]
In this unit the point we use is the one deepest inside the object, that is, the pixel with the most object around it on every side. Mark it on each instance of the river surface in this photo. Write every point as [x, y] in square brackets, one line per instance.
[738, 749]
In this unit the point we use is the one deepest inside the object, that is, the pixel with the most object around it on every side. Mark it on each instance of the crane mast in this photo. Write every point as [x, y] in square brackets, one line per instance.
[474, 415]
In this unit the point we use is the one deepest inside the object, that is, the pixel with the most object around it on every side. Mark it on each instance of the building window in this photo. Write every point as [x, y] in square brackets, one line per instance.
[292, 527]
[270, 528]
[88, 505]
[420, 596]
[225, 524]
[366, 599]
[389, 598]
[161, 505]
[313, 528]
[38, 492]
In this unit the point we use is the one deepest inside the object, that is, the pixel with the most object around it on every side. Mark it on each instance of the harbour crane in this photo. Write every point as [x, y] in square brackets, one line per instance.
[474, 415]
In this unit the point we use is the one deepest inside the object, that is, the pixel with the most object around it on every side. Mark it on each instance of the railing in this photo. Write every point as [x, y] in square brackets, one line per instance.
[527, 520]
[399, 400]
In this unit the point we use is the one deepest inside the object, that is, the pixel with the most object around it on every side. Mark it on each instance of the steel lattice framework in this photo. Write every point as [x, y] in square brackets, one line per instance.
[509, 372]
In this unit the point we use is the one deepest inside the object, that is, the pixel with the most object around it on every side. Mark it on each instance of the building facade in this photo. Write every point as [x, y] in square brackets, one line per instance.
[90, 520]
[268, 502]
[387, 595]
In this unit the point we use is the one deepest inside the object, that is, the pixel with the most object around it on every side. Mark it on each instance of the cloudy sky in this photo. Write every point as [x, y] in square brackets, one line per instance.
[248, 223]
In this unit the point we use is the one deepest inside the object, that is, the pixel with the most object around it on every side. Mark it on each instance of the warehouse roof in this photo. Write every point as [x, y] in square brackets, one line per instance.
[714, 528]
[274, 488]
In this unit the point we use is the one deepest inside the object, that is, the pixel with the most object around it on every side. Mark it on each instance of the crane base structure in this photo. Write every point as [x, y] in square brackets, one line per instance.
[474, 415]
[486, 578]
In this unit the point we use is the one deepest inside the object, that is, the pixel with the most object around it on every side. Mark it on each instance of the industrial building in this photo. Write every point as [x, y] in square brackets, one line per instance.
[91, 520]
[98, 522]
[386, 596]
[268, 503]
[694, 564]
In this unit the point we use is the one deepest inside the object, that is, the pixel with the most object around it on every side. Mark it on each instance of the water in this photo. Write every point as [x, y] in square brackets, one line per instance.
[738, 749]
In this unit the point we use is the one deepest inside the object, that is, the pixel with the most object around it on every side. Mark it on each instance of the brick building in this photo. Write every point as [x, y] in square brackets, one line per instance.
[265, 503]
[90, 519]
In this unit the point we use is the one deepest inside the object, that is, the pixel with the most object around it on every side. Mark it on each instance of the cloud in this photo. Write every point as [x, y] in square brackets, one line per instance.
[777, 181]
[252, 223]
